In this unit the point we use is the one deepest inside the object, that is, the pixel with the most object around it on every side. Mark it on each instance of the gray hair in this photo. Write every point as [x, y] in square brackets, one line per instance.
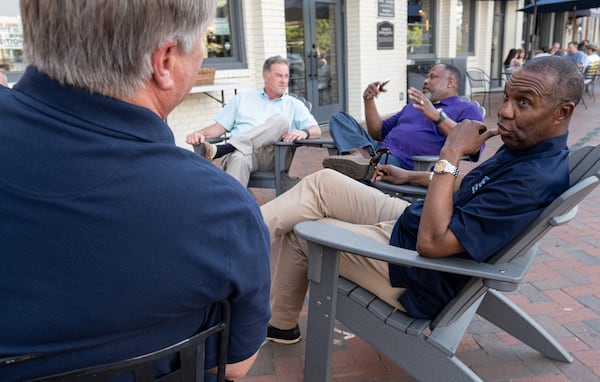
[105, 46]
[567, 79]
[274, 60]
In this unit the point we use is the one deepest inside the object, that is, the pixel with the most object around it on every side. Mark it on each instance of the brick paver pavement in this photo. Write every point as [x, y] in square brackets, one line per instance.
[561, 292]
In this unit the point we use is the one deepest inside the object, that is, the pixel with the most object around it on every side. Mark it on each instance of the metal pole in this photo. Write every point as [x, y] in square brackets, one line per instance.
[530, 40]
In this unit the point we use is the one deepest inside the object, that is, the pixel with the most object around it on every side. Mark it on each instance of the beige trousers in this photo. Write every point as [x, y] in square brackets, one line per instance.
[336, 199]
[254, 149]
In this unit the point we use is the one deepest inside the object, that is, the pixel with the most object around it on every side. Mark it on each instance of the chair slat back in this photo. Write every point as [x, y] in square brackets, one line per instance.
[583, 161]
[593, 69]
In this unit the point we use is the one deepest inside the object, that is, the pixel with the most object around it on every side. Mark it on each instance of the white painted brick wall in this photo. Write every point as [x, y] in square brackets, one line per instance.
[264, 33]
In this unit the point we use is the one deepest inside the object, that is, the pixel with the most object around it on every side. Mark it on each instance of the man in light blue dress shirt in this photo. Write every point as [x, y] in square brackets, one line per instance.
[256, 119]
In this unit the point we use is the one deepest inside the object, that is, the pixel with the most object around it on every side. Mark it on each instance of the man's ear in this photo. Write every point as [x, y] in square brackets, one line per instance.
[163, 63]
[564, 111]
[452, 82]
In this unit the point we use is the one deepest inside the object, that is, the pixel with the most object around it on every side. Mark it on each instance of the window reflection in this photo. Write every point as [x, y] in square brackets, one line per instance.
[465, 16]
[11, 44]
[224, 39]
[420, 29]
[219, 40]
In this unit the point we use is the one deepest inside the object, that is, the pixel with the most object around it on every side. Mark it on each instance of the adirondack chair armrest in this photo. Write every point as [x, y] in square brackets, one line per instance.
[343, 240]
[402, 190]
[315, 142]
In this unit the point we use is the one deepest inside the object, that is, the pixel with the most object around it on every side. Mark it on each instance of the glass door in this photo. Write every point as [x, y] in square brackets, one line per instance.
[314, 49]
[497, 59]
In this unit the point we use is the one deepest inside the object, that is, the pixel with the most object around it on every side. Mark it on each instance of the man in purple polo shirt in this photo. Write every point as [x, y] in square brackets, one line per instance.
[420, 128]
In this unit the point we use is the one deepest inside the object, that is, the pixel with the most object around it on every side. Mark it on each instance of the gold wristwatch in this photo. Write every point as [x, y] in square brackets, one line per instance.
[444, 167]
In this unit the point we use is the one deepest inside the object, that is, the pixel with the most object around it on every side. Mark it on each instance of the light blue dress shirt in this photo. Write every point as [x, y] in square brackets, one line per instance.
[250, 109]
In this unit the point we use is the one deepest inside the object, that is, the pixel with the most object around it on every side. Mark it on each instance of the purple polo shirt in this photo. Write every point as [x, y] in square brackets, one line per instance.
[409, 132]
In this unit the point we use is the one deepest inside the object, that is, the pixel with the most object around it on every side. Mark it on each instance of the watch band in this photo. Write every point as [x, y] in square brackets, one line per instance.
[444, 167]
[307, 133]
[442, 117]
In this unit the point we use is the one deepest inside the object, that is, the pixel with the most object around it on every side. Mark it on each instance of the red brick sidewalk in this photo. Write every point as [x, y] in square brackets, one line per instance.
[561, 292]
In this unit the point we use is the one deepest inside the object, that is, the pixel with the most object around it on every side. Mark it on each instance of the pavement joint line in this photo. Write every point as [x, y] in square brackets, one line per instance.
[588, 137]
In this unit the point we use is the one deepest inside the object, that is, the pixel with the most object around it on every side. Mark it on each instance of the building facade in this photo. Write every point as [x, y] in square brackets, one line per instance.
[337, 47]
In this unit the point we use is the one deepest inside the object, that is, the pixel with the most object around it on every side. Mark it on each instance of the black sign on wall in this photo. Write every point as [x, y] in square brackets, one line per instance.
[385, 8]
[385, 35]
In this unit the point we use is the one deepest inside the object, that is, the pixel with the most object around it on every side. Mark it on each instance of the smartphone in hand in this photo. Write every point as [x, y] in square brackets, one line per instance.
[382, 85]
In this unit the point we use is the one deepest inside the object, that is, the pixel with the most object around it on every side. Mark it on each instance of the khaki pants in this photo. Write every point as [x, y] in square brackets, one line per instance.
[336, 199]
[254, 149]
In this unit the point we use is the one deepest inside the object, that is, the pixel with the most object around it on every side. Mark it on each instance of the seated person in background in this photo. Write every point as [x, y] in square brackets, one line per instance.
[420, 128]
[575, 55]
[555, 50]
[471, 216]
[590, 56]
[517, 61]
[509, 57]
[255, 120]
[106, 253]
[545, 52]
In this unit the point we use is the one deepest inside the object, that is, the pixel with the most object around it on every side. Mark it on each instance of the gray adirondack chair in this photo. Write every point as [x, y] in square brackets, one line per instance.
[283, 156]
[426, 348]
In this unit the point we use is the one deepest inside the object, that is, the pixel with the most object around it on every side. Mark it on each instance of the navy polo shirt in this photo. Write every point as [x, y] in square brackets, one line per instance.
[115, 242]
[495, 202]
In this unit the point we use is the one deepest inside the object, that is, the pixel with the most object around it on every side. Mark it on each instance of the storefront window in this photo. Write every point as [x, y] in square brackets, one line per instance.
[465, 17]
[11, 37]
[420, 28]
[224, 38]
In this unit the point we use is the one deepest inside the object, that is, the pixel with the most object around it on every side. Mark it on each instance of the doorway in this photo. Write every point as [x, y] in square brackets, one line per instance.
[497, 60]
[315, 51]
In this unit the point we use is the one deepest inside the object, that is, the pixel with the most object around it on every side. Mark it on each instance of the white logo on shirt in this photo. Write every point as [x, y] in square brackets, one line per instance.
[477, 186]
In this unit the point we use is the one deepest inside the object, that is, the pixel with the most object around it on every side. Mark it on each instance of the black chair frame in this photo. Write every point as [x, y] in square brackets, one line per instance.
[190, 353]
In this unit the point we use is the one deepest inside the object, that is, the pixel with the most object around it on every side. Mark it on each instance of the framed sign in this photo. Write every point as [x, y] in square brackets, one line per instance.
[385, 8]
[385, 35]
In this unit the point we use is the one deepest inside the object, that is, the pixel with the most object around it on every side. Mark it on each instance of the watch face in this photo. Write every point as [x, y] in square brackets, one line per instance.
[443, 166]
[439, 166]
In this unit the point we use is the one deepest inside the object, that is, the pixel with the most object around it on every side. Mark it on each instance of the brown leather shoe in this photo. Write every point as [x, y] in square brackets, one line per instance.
[207, 150]
[354, 166]
[360, 152]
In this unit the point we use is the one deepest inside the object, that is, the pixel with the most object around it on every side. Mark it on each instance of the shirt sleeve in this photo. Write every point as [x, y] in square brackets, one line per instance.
[226, 117]
[301, 116]
[251, 280]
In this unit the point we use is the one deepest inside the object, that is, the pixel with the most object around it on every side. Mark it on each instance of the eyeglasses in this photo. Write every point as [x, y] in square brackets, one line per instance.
[378, 154]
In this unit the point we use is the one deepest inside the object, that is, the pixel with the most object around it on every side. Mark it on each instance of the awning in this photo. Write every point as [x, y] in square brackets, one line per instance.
[548, 6]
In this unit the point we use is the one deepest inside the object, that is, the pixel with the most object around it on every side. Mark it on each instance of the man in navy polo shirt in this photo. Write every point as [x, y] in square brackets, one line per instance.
[115, 242]
[472, 215]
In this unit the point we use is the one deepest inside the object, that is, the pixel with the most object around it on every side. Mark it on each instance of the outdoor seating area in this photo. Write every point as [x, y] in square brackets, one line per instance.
[558, 292]
[289, 191]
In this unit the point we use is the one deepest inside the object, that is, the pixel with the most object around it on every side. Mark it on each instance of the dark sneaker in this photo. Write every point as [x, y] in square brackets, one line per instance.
[287, 337]
[355, 167]
[207, 150]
